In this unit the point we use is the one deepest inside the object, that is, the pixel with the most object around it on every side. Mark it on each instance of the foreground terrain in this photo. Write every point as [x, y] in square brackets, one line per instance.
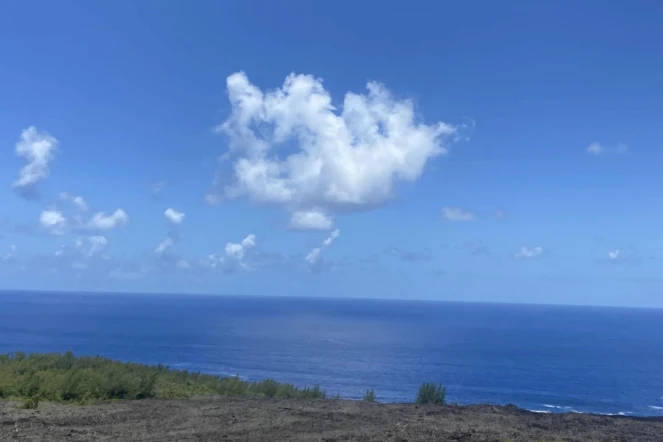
[269, 419]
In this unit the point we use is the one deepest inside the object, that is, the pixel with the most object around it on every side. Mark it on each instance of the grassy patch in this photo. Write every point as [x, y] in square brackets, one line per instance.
[431, 394]
[369, 396]
[64, 377]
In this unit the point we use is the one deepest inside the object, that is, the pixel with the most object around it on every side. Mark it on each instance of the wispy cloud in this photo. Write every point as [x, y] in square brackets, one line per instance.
[457, 214]
[529, 253]
[38, 149]
[233, 257]
[409, 255]
[622, 255]
[314, 219]
[500, 214]
[77, 201]
[314, 256]
[596, 149]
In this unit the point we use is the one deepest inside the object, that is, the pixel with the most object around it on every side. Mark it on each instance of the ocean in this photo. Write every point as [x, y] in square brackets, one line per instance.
[542, 358]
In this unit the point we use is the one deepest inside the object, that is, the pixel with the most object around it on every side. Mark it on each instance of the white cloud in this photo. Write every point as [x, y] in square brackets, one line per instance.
[53, 221]
[624, 255]
[314, 255]
[78, 201]
[91, 245]
[527, 253]
[174, 216]
[233, 256]
[101, 221]
[310, 220]
[164, 245]
[211, 261]
[183, 264]
[294, 149]
[457, 214]
[237, 250]
[595, 148]
[38, 149]
[97, 244]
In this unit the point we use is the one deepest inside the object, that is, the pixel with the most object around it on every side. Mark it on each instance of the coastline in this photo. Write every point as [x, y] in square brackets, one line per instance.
[213, 418]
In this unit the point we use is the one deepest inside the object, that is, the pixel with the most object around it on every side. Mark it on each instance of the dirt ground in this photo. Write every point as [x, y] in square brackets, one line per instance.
[263, 419]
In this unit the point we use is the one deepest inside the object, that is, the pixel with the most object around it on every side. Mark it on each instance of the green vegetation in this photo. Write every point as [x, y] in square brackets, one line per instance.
[64, 377]
[369, 396]
[431, 394]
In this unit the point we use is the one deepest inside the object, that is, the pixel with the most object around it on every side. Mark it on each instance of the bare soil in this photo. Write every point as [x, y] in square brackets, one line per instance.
[264, 419]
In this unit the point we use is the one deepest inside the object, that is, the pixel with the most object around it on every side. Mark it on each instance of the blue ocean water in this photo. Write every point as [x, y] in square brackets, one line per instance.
[544, 358]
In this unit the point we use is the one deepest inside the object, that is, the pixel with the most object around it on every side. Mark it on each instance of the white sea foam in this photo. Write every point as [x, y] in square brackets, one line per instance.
[557, 407]
[656, 407]
[540, 411]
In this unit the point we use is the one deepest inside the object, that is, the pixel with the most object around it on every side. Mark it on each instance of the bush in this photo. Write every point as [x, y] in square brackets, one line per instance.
[431, 394]
[369, 396]
[31, 403]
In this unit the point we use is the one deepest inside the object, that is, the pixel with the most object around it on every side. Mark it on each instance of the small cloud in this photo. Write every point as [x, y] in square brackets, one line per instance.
[624, 255]
[183, 264]
[457, 214]
[500, 214]
[314, 256]
[163, 246]
[597, 149]
[174, 216]
[527, 253]
[101, 221]
[310, 220]
[53, 222]
[10, 254]
[157, 187]
[91, 245]
[78, 201]
[233, 257]
[237, 250]
[38, 148]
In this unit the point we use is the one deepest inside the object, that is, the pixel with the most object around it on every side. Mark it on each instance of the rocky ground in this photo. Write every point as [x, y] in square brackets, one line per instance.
[263, 419]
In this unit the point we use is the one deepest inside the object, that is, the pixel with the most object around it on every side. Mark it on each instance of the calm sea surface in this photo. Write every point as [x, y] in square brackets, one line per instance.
[544, 358]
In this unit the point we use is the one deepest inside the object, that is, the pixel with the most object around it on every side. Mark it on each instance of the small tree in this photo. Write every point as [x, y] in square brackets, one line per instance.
[369, 396]
[430, 393]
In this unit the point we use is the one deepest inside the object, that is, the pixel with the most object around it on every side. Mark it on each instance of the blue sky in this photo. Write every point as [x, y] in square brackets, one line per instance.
[477, 151]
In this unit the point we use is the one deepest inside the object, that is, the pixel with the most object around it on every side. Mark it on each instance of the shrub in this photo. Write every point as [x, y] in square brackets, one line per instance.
[431, 394]
[369, 396]
[314, 392]
[31, 403]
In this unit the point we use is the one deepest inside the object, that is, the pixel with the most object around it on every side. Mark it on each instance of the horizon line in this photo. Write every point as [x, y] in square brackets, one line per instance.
[343, 298]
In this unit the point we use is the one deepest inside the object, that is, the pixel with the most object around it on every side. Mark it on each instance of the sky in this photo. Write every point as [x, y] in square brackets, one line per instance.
[469, 151]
